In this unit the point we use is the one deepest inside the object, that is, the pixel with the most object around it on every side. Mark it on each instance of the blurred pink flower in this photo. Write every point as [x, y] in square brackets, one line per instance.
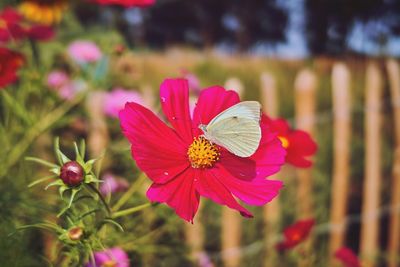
[56, 79]
[193, 80]
[115, 257]
[116, 99]
[112, 184]
[66, 88]
[204, 260]
[84, 52]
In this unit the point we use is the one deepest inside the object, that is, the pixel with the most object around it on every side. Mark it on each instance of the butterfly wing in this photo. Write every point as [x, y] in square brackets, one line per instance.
[245, 109]
[237, 129]
[240, 136]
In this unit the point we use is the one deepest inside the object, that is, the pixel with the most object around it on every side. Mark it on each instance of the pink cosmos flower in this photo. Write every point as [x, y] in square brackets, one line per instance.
[66, 88]
[56, 79]
[193, 80]
[115, 257]
[112, 184]
[116, 99]
[183, 165]
[347, 257]
[84, 52]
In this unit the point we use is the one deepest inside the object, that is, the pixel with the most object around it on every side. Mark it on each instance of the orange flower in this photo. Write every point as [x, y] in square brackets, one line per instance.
[43, 11]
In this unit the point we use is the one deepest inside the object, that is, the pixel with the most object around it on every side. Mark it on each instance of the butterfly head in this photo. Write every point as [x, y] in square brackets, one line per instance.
[203, 127]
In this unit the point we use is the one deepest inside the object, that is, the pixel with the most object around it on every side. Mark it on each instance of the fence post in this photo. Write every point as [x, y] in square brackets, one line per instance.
[231, 220]
[194, 234]
[305, 97]
[271, 212]
[372, 180]
[394, 224]
[98, 132]
[305, 87]
[341, 154]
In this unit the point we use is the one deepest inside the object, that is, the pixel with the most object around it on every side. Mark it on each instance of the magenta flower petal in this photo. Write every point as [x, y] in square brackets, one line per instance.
[179, 194]
[210, 185]
[212, 101]
[157, 149]
[113, 257]
[174, 95]
[257, 192]
[84, 52]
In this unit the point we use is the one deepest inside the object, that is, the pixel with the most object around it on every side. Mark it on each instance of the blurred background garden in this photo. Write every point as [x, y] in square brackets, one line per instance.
[329, 68]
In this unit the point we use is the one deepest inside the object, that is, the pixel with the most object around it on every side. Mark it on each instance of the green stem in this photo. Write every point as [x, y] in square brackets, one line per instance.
[127, 195]
[130, 210]
[94, 189]
[38, 128]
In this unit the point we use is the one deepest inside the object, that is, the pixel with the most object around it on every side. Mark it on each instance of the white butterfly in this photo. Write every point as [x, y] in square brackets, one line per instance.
[237, 128]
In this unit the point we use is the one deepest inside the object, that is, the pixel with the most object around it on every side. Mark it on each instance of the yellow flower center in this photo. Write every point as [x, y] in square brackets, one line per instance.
[202, 153]
[284, 141]
[109, 263]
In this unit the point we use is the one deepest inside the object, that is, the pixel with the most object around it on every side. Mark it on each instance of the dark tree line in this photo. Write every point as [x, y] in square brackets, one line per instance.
[243, 24]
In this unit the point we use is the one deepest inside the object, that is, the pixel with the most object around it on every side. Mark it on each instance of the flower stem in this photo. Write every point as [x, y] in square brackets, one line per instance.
[130, 210]
[94, 189]
[127, 195]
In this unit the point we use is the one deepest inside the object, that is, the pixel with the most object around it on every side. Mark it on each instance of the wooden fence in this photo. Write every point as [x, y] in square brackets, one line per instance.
[305, 88]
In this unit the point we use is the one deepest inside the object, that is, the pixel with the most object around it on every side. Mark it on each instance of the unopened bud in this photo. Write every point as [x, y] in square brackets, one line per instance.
[72, 173]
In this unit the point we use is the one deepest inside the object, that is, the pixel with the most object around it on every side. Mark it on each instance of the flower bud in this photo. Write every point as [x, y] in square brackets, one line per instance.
[75, 233]
[72, 173]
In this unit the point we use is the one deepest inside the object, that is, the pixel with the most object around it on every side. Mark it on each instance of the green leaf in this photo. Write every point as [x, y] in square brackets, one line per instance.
[43, 162]
[62, 159]
[111, 221]
[78, 157]
[58, 182]
[41, 180]
[56, 170]
[73, 193]
[62, 189]
[83, 148]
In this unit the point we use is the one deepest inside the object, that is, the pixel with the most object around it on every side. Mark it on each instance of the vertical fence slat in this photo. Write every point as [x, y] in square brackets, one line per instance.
[231, 222]
[271, 211]
[372, 180]
[394, 223]
[98, 132]
[305, 97]
[194, 234]
[341, 154]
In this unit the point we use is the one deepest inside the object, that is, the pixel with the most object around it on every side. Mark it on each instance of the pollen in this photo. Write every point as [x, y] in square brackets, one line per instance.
[202, 153]
[284, 141]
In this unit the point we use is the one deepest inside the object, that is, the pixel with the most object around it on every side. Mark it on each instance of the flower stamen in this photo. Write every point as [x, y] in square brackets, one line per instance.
[202, 153]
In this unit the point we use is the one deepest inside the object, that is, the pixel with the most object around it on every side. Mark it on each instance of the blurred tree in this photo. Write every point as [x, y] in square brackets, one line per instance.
[207, 22]
[329, 23]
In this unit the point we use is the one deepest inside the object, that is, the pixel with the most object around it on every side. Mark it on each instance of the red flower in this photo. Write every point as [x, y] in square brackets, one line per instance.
[347, 257]
[184, 165]
[298, 144]
[127, 3]
[295, 234]
[10, 62]
[12, 27]
[40, 32]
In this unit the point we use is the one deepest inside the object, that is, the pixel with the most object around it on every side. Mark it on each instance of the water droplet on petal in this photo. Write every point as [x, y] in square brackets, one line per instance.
[174, 118]
[166, 173]
[163, 99]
